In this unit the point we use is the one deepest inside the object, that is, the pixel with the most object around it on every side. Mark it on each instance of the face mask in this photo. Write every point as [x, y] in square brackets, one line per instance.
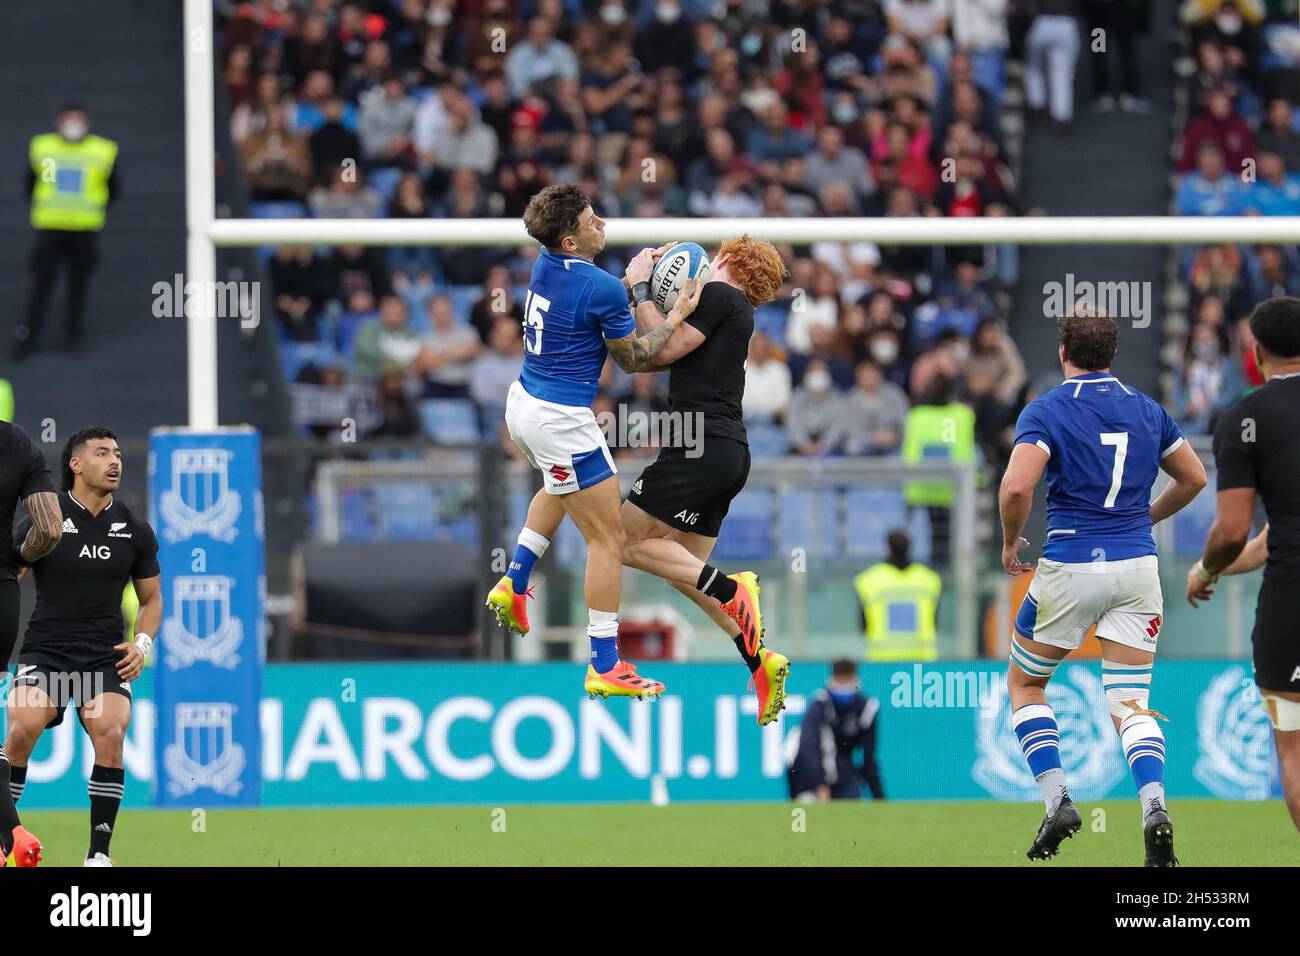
[668, 12]
[960, 353]
[841, 697]
[439, 17]
[844, 113]
[1206, 350]
[884, 351]
[751, 44]
[1229, 23]
[613, 15]
[818, 381]
[73, 130]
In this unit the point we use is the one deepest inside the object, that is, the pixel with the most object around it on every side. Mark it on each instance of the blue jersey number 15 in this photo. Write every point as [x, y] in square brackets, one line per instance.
[534, 320]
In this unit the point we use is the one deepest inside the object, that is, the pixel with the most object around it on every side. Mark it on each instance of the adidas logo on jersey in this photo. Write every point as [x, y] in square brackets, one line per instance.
[69, 527]
[636, 487]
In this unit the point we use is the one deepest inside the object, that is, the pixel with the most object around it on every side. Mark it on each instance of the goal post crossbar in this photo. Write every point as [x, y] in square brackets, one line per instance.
[927, 231]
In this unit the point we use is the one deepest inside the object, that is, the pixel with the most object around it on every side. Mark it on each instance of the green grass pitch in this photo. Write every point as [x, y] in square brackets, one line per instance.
[1207, 833]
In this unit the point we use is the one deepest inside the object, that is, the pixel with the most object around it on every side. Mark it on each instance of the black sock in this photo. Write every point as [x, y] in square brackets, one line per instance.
[17, 782]
[105, 790]
[8, 812]
[751, 660]
[716, 584]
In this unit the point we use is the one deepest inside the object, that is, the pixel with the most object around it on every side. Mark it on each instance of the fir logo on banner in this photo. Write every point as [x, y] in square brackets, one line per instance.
[200, 626]
[1233, 735]
[1092, 761]
[204, 755]
[200, 500]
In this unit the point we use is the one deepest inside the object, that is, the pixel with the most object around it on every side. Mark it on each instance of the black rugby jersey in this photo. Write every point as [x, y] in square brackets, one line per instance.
[23, 473]
[79, 584]
[1257, 445]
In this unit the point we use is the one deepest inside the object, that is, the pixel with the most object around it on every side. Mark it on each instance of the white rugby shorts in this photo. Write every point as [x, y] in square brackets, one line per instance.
[563, 442]
[1121, 597]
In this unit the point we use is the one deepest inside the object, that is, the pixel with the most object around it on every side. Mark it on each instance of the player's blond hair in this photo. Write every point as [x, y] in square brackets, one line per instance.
[756, 266]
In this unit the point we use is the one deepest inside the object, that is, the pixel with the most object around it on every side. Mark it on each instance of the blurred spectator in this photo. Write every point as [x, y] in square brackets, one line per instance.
[1221, 125]
[400, 418]
[1208, 382]
[1114, 73]
[899, 599]
[767, 380]
[840, 721]
[277, 163]
[924, 22]
[979, 28]
[995, 359]
[333, 143]
[1278, 133]
[466, 142]
[1051, 54]
[1274, 272]
[498, 301]
[877, 410]
[347, 197]
[297, 284]
[818, 418]
[1275, 192]
[448, 352]
[833, 162]
[386, 123]
[1209, 190]
[937, 427]
[387, 339]
[818, 306]
[540, 57]
[496, 368]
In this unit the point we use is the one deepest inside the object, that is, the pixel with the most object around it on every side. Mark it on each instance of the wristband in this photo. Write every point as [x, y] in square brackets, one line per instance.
[144, 642]
[1203, 574]
[640, 293]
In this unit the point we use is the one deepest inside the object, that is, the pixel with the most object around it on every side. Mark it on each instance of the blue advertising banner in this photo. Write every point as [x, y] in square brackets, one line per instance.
[465, 733]
[205, 503]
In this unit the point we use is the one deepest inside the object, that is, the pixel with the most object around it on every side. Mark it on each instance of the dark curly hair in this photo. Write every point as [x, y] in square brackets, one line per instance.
[1089, 336]
[553, 213]
[1275, 323]
[74, 444]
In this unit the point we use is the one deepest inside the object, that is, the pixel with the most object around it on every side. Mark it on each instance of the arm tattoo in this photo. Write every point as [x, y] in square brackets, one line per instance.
[636, 353]
[47, 526]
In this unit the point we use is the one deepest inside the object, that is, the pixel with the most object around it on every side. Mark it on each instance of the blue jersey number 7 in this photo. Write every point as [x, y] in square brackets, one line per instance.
[1120, 441]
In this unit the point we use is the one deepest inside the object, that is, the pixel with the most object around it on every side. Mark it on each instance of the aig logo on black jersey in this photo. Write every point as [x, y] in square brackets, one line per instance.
[99, 552]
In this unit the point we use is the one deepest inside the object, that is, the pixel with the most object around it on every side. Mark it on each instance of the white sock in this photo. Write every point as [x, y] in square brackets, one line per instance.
[1052, 784]
[534, 542]
[1152, 792]
[602, 623]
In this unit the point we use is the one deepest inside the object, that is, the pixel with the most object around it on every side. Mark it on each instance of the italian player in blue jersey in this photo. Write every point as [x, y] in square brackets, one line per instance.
[576, 313]
[1100, 444]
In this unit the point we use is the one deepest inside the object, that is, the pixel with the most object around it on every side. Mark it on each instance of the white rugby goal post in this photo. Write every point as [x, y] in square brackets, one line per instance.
[205, 232]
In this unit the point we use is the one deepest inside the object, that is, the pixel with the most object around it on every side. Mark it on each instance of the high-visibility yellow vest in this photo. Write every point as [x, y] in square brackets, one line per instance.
[935, 432]
[6, 401]
[900, 610]
[71, 189]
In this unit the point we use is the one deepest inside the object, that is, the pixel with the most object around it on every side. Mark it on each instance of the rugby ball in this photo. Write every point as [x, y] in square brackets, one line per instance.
[676, 267]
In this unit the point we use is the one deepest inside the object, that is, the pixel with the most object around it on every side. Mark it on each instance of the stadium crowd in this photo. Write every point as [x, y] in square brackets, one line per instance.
[451, 108]
[1239, 155]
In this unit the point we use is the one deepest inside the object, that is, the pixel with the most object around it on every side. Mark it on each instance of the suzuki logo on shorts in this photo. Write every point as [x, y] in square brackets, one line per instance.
[559, 473]
[1153, 626]
[99, 551]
